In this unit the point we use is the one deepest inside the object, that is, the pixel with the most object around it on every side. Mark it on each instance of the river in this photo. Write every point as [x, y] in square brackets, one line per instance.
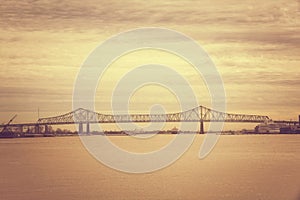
[240, 167]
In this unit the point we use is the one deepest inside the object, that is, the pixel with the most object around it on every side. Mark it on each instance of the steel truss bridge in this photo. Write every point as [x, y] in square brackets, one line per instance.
[86, 117]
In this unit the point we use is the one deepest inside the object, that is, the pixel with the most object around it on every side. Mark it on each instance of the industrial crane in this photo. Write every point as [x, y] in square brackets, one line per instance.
[7, 124]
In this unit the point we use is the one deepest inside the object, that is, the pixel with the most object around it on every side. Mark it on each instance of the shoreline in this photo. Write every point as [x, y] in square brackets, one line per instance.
[122, 134]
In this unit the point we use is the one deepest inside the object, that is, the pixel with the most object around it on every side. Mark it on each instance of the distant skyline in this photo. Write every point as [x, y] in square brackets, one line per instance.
[254, 45]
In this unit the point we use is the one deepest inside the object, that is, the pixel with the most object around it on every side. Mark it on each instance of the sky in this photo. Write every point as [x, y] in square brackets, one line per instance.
[254, 45]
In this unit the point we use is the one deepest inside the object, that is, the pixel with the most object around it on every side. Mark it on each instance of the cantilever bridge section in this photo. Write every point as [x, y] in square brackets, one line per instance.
[199, 114]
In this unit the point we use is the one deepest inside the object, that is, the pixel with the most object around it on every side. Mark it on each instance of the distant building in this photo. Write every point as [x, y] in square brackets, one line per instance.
[269, 127]
[292, 129]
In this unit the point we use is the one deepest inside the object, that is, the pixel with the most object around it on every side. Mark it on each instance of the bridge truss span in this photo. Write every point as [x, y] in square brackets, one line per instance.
[82, 116]
[200, 113]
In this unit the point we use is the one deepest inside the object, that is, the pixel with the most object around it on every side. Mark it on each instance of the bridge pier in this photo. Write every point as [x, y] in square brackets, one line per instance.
[201, 127]
[87, 128]
[46, 129]
[37, 129]
[21, 129]
[80, 128]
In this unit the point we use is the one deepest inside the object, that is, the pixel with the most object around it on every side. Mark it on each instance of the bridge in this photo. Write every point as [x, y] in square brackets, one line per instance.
[86, 117]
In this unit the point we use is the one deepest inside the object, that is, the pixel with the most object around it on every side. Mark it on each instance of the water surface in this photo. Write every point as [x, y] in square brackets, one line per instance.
[241, 167]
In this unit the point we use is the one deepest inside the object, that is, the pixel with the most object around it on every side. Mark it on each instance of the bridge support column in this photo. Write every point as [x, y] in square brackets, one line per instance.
[201, 127]
[46, 129]
[20, 130]
[37, 129]
[80, 128]
[87, 128]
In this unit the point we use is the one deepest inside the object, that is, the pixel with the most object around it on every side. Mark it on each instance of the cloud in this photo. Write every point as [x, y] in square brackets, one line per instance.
[43, 42]
[75, 13]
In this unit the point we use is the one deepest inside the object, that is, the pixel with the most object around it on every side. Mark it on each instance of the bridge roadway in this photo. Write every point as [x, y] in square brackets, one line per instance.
[199, 114]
